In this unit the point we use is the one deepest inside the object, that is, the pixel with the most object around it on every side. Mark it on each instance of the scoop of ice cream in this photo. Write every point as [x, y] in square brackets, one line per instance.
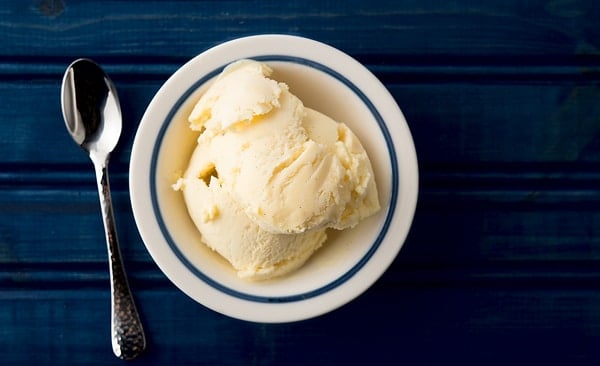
[269, 175]
[293, 169]
[253, 252]
[240, 93]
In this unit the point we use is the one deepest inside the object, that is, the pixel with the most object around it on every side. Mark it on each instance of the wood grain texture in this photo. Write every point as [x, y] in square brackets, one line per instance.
[502, 264]
[178, 28]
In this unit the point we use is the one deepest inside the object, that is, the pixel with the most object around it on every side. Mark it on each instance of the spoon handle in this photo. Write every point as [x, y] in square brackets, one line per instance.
[127, 333]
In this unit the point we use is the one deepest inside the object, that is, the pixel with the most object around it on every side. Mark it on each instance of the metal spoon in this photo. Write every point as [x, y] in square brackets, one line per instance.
[92, 114]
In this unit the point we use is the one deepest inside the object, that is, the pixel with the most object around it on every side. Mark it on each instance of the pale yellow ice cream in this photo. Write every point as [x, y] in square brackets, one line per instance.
[269, 176]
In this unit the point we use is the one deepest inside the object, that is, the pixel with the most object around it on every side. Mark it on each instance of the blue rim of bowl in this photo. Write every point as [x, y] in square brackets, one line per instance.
[288, 298]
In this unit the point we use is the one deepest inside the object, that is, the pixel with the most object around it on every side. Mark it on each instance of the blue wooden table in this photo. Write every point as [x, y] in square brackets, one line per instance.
[502, 264]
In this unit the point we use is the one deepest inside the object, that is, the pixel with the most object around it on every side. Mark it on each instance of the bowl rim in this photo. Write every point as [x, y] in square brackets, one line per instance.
[299, 306]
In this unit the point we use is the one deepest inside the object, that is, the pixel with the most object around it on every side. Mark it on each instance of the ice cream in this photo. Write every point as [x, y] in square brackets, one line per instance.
[269, 176]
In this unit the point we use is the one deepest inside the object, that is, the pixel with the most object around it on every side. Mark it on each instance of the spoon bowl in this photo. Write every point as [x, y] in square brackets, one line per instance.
[92, 115]
[89, 100]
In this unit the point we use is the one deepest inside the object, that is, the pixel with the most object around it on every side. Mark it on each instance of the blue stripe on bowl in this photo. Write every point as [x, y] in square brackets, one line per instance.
[305, 295]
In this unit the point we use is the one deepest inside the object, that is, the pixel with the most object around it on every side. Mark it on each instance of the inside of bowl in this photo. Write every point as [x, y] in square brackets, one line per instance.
[341, 253]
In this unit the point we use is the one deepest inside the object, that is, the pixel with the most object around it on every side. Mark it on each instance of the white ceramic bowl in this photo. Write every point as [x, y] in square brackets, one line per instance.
[350, 261]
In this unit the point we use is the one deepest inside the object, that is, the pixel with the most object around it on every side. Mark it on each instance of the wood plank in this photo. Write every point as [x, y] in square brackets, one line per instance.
[69, 219]
[474, 325]
[503, 122]
[475, 238]
[457, 122]
[184, 28]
